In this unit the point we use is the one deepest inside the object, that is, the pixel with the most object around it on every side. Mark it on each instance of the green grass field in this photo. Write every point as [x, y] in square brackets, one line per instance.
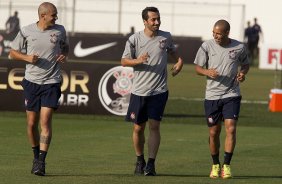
[98, 149]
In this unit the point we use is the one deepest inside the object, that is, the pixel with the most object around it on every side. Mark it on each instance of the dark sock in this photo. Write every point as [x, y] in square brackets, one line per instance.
[227, 158]
[215, 159]
[35, 152]
[42, 155]
[151, 161]
[140, 158]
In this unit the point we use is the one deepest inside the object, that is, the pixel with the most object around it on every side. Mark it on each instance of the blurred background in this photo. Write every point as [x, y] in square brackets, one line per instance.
[181, 17]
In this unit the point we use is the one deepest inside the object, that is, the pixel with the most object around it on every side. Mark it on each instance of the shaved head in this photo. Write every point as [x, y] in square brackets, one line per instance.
[221, 31]
[45, 7]
[223, 24]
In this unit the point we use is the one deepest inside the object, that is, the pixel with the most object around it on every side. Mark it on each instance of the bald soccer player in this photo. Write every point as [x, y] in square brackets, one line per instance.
[224, 62]
[46, 48]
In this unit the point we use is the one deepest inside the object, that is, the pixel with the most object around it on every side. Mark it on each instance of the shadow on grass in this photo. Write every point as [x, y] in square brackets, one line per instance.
[184, 175]
[158, 175]
[86, 175]
[257, 177]
[183, 115]
[121, 175]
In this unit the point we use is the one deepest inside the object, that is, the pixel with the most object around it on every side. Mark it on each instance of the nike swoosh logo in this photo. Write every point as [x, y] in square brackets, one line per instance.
[82, 52]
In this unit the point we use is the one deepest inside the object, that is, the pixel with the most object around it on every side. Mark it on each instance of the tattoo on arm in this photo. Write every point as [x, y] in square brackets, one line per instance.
[45, 139]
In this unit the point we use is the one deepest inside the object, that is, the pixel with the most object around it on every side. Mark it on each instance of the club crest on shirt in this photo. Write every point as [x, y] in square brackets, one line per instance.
[233, 54]
[54, 38]
[162, 44]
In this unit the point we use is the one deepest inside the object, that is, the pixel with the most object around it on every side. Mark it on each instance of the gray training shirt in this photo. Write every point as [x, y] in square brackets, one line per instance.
[150, 78]
[226, 61]
[48, 45]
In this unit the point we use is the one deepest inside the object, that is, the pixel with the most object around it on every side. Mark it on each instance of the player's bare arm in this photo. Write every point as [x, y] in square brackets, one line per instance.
[132, 62]
[212, 73]
[178, 65]
[63, 56]
[242, 73]
[23, 57]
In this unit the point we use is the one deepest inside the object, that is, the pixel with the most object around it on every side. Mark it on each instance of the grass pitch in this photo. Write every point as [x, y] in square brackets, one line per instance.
[98, 149]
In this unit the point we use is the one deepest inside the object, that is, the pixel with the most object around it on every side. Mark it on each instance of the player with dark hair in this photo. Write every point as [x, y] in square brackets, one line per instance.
[219, 59]
[250, 41]
[13, 25]
[257, 35]
[147, 52]
[46, 48]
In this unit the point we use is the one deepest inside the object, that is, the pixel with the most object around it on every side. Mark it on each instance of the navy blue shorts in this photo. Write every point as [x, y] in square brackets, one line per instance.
[37, 96]
[218, 110]
[142, 108]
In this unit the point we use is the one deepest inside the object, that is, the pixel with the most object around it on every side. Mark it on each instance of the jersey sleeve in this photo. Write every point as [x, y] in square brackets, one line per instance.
[202, 57]
[171, 47]
[130, 48]
[19, 42]
[64, 43]
[244, 59]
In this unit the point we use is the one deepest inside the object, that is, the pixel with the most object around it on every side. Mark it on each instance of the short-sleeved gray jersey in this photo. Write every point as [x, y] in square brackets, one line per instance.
[150, 78]
[48, 45]
[226, 60]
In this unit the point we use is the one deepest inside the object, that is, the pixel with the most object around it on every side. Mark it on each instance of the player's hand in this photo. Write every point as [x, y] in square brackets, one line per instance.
[33, 58]
[212, 73]
[143, 58]
[177, 67]
[61, 58]
[240, 77]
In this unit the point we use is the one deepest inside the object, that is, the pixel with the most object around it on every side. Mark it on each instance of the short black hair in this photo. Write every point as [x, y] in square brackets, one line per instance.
[146, 10]
[223, 23]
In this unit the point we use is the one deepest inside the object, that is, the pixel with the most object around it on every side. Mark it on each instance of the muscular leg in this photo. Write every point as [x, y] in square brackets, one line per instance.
[214, 139]
[138, 138]
[32, 128]
[230, 140]
[46, 128]
[154, 138]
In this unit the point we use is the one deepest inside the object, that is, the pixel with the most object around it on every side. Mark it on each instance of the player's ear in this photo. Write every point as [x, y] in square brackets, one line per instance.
[144, 21]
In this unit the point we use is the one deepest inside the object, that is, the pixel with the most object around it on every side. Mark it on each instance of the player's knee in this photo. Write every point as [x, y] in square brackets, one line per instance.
[231, 130]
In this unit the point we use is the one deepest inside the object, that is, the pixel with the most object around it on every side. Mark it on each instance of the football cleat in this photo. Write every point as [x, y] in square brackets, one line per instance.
[215, 171]
[39, 168]
[226, 172]
[150, 170]
[139, 168]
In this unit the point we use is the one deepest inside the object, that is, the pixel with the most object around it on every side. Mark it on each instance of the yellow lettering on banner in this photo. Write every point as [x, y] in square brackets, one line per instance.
[13, 77]
[79, 78]
[3, 70]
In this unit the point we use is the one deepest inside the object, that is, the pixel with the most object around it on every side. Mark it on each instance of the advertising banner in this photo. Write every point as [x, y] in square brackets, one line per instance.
[271, 57]
[86, 88]
[107, 47]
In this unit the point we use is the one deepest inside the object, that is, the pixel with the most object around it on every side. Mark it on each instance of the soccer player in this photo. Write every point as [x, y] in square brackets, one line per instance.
[46, 48]
[225, 63]
[147, 52]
